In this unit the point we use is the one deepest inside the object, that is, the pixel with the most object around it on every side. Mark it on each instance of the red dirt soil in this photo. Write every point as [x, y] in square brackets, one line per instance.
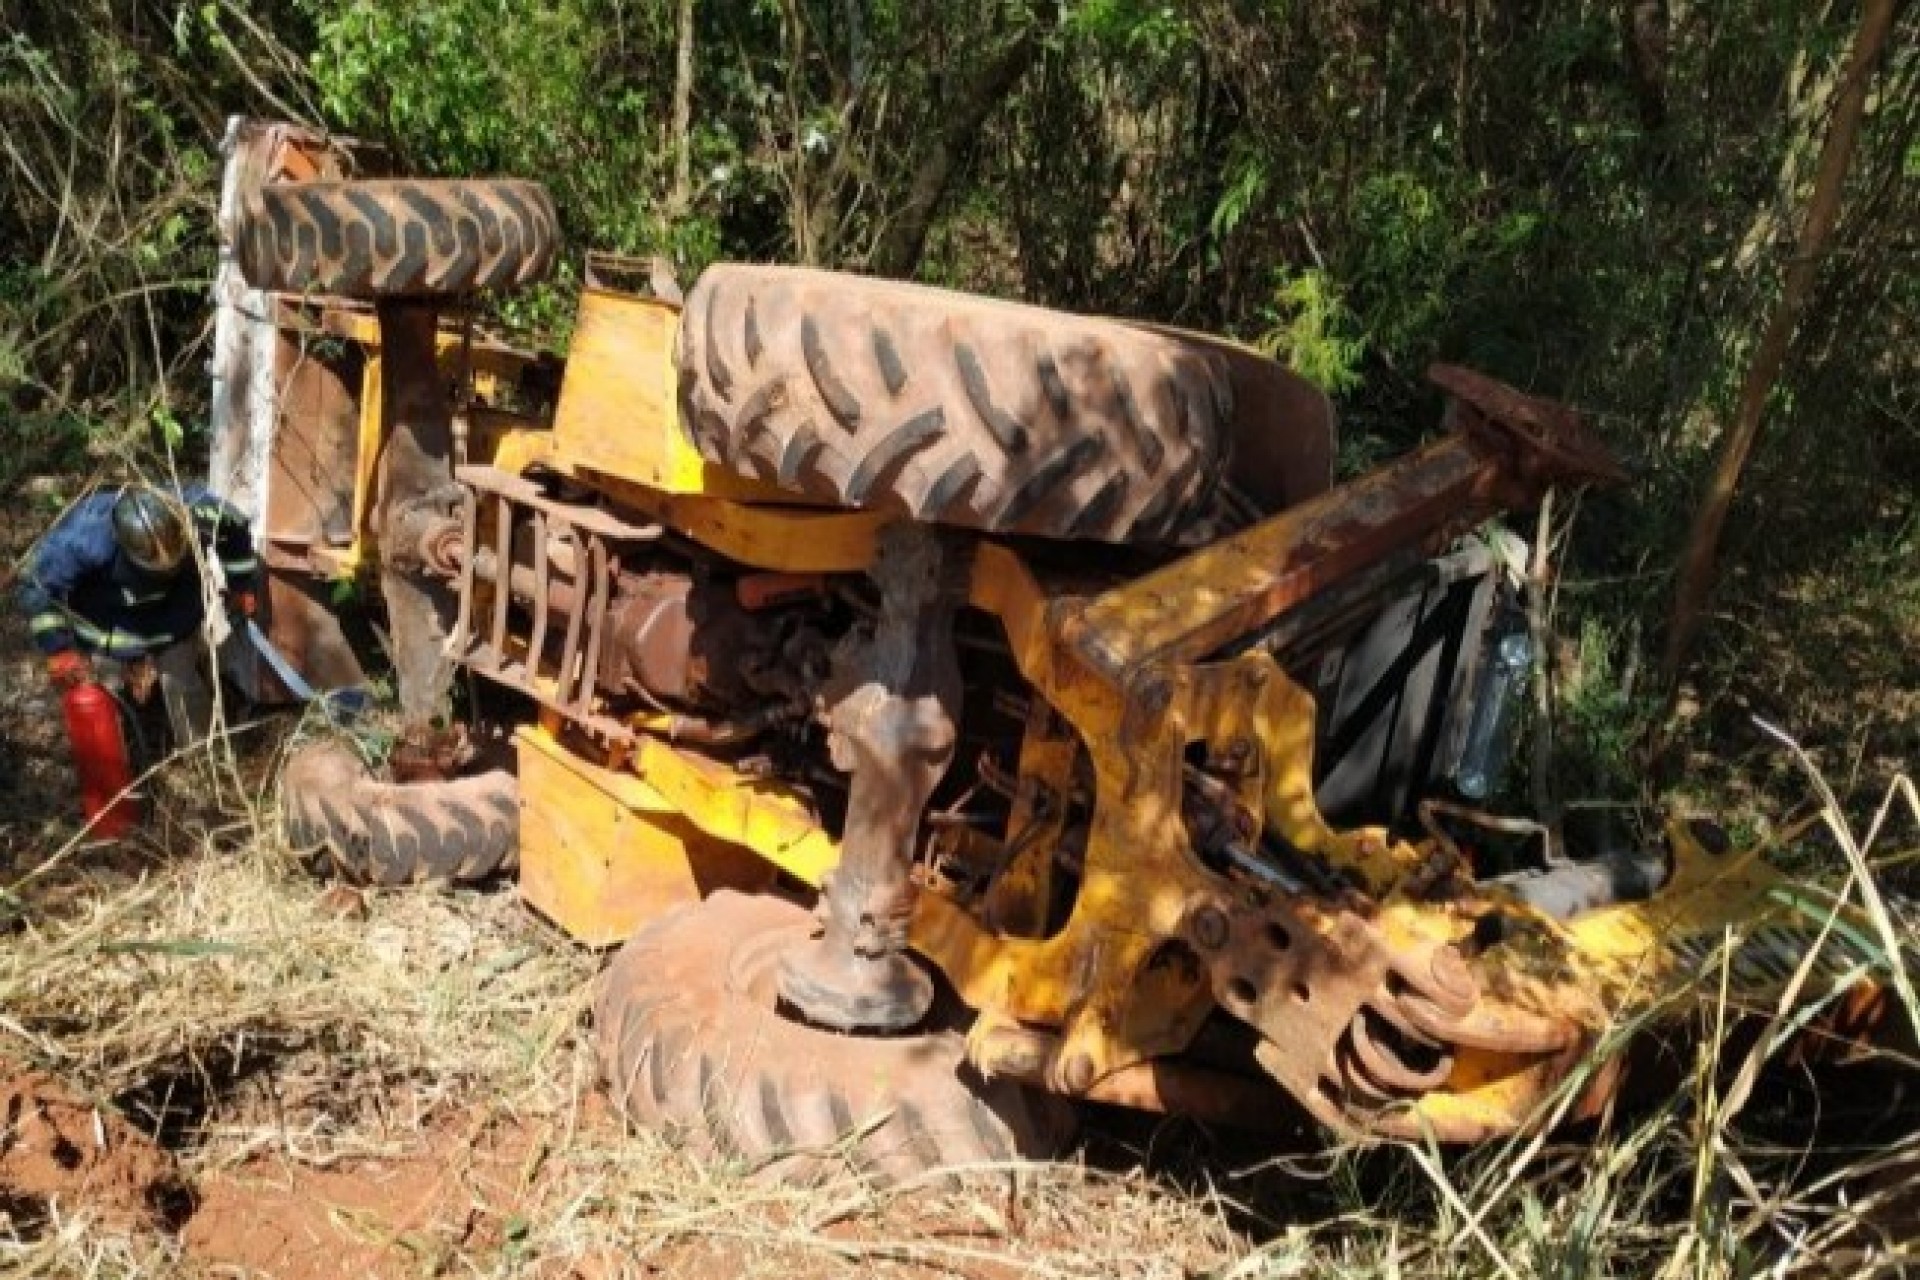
[454, 1189]
[61, 1155]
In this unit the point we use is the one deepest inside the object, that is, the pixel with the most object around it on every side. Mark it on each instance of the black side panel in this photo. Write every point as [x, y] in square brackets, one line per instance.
[1394, 700]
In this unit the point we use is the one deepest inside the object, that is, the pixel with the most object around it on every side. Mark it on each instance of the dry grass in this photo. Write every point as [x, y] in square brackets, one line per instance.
[222, 1004]
[216, 998]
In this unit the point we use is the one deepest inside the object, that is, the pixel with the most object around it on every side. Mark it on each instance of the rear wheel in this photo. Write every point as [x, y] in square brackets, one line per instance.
[693, 1040]
[952, 408]
[391, 833]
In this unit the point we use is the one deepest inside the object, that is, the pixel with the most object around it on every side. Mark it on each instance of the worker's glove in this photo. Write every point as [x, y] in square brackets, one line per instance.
[69, 668]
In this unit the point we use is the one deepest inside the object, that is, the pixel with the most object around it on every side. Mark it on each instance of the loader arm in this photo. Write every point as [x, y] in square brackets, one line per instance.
[1202, 750]
[1506, 451]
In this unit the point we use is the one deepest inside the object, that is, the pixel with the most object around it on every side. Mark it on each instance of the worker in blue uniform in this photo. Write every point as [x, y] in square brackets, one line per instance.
[131, 578]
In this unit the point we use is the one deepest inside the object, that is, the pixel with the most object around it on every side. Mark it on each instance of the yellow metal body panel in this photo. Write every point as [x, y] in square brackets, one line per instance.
[601, 852]
[517, 452]
[619, 409]
[1718, 902]
[785, 539]
[618, 429]
[762, 816]
[489, 366]
[780, 538]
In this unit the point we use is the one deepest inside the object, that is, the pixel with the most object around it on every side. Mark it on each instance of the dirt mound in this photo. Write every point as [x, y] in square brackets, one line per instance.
[62, 1155]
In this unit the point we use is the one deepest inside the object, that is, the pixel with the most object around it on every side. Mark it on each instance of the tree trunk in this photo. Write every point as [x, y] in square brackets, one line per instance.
[1645, 37]
[905, 239]
[1698, 560]
[682, 194]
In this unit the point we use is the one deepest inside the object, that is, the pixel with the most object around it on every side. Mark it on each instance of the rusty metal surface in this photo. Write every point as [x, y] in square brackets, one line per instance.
[416, 465]
[309, 497]
[1545, 442]
[1234, 587]
[1509, 449]
[1170, 1086]
[250, 354]
[690, 643]
[757, 591]
[1211, 1097]
[575, 559]
[603, 625]
[303, 625]
[431, 757]
[1295, 974]
[1364, 1028]
[651, 651]
[893, 728]
[282, 418]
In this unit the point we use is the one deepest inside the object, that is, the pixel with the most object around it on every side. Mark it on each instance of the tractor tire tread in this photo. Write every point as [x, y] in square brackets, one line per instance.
[404, 238]
[690, 1041]
[951, 408]
[383, 833]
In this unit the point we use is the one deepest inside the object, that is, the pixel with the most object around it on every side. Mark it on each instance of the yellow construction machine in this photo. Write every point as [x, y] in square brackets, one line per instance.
[953, 706]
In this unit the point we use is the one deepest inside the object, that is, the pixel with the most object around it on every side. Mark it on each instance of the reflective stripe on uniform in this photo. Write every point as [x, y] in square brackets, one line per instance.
[248, 565]
[121, 644]
[121, 638]
[44, 622]
[87, 631]
[117, 641]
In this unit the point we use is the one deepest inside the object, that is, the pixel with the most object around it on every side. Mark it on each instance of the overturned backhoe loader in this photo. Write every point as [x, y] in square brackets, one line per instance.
[953, 706]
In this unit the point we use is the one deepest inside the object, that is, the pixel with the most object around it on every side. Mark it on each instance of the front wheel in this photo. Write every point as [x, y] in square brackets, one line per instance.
[693, 1040]
[403, 238]
[391, 833]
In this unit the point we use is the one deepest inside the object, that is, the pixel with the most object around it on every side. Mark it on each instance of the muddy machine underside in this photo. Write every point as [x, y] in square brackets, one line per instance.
[1062, 796]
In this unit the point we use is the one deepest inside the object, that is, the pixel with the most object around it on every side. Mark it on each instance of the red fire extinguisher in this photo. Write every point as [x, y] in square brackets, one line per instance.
[100, 757]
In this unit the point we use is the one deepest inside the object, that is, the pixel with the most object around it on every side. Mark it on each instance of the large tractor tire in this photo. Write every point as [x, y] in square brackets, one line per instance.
[951, 408]
[693, 1040]
[392, 833]
[397, 239]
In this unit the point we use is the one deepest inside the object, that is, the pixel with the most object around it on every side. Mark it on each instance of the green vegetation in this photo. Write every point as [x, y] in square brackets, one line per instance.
[1594, 201]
